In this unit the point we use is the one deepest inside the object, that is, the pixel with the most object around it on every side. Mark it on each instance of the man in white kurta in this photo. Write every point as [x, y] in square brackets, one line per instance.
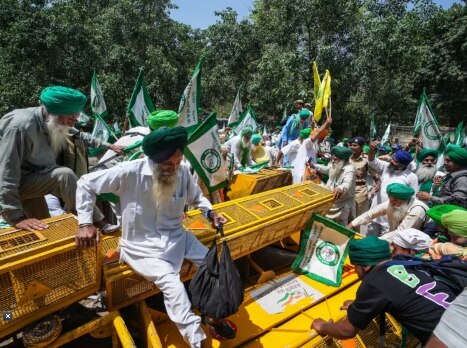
[341, 182]
[154, 242]
[240, 147]
[395, 171]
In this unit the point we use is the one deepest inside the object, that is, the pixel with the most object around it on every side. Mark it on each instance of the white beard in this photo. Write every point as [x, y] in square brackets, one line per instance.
[163, 186]
[399, 212]
[246, 144]
[335, 170]
[58, 134]
[425, 172]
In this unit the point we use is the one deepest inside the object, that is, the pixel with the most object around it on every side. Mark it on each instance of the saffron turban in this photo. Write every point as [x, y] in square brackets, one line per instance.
[161, 144]
[368, 251]
[61, 100]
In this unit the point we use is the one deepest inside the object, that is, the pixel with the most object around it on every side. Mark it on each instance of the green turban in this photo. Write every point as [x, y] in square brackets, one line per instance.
[247, 130]
[457, 154]
[60, 100]
[456, 222]
[368, 251]
[345, 140]
[425, 153]
[400, 191]
[341, 152]
[438, 211]
[304, 113]
[256, 139]
[162, 118]
[161, 144]
[305, 133]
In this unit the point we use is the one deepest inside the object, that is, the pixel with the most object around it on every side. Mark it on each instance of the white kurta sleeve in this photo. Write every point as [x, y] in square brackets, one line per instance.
[92, 184]
[323, 169]
[365, 218]
[348, 181]
[195, 197]
[378, 165]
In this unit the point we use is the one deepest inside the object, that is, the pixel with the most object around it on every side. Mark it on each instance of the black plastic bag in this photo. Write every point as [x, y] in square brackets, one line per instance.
[216, 288]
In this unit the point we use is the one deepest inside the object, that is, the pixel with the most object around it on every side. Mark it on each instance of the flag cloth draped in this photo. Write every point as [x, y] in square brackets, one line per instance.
[426, 126]
[100, 130]
[322, 98]
[323, 251]
[385, 138]
[205, 155]
[316, 82]
[97, 98]
[140, 105]
[190, 101]
[373, 129]
[237, 110]
[459, 135]
[248, 119]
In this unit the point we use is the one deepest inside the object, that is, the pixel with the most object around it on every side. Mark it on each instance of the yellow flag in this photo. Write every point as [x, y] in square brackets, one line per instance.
[327, 89]
[319, 102]
[316, 81]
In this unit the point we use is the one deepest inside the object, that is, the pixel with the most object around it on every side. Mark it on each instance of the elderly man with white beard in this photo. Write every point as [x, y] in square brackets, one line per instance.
[402, 210]
[341, 182]
[426, 169]
[240, 147]
[30, 140]
[153, 192]
[395, 171]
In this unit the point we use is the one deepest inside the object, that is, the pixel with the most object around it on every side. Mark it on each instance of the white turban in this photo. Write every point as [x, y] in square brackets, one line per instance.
[411, 238]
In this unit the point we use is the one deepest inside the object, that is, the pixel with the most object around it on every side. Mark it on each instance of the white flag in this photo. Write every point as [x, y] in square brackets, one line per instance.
[385, 138]
[97, 98]
[248, 119]
[189, 103]
[140, 105]
[204, 153]
[237, 110]
[426, 126]
[100, 129]
[323, 251]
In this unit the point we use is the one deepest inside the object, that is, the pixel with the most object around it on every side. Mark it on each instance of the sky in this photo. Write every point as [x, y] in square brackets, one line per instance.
[200, 13]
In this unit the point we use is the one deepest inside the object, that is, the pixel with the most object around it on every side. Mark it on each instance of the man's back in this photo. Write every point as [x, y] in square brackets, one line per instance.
[414, 298]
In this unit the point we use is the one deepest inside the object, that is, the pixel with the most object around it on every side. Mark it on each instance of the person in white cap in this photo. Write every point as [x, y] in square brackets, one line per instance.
[411, 242]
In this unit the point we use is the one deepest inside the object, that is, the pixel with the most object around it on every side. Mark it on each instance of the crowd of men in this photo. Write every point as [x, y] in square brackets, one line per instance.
[398, 197]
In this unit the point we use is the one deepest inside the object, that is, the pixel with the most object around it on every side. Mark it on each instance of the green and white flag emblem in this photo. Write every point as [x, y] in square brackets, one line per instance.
[248, 119]
[426, 126]
[97, 98]
[204, 153]
[237, 110]
[323, 251]
[385, 138]
[188, 109]
[140, 105]
[373, 130]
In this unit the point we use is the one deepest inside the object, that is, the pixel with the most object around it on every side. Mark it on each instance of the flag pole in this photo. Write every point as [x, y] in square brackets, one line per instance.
[106, 126]
[125, 125]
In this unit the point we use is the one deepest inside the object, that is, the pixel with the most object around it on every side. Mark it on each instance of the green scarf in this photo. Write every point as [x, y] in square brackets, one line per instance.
[426, 186]
[295, 123]
[245, 151]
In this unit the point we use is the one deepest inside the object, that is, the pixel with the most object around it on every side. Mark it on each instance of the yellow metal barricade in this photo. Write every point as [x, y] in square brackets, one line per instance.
[43, 271]
[244, 185]
[253, 223]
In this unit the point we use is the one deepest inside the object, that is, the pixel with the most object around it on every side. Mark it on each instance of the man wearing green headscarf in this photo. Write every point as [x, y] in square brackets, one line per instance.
[426, 169]
[454, 186]
[258, 152]
[341, 182]
[162, 118]
[240, 147]
[385, 288]
[153, 194]
[295, 123]
[402, 210]
[32, 142]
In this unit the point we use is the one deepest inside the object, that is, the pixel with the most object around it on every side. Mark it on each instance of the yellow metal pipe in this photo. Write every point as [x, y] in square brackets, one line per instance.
[125, 338]
[302, 340]
[152, 338]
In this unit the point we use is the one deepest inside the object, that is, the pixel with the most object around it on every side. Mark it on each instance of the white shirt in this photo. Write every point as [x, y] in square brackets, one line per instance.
[234, 146]
[147, 232]
[306, 151]
[291, 150]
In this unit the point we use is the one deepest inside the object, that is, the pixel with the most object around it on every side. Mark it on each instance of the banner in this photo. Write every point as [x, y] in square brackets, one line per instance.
[140, 105]
[97, 98]
[248, 119]
[385, 138]
[237, 110]
[189, 103]
[323, 251]
[373, 129]
[205, 155]
[426, 126]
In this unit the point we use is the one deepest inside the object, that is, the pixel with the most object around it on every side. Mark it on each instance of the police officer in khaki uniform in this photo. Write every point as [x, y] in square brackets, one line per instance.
[360, 161]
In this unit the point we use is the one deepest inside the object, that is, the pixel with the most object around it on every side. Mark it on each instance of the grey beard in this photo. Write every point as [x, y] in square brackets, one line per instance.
[58, 134]
[336, 169]
[400, 212]
[163, 186]
[425, 172]
[393, 169]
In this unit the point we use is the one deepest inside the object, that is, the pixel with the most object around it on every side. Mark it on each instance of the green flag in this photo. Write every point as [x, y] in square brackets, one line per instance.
[426, 125]
[248, 119]
[205, 155]
[459, 135]
[385, 138]
[100, 130]
[373, 129]
[190, 101]
[97, 98]
[140, 105]
[237, 110]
